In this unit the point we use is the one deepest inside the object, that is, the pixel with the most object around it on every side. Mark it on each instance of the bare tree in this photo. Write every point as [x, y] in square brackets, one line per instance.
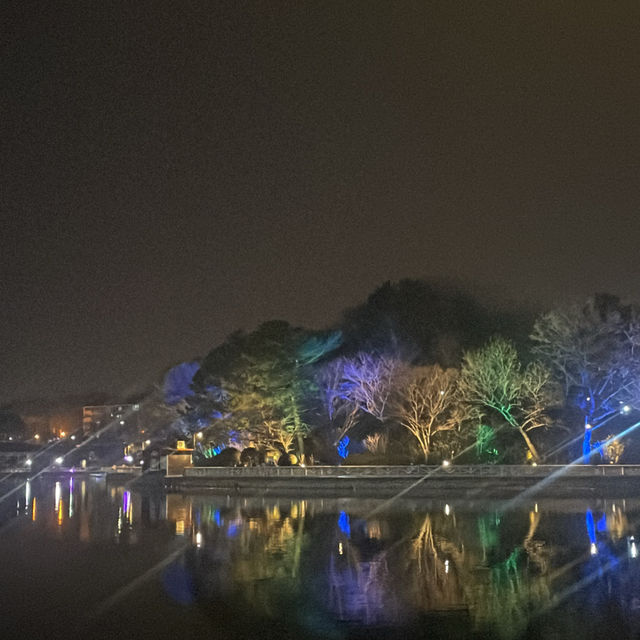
[493, 380]
[425, 404]
[594, 351]
[361, 384]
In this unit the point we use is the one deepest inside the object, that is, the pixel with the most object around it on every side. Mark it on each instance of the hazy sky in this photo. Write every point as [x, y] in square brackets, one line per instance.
[173, 171]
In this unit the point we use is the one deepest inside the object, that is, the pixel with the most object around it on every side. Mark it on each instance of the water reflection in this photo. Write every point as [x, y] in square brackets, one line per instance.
[327, 568]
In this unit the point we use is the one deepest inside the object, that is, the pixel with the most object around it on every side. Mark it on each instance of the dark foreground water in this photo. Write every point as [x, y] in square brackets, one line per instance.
[82, 558]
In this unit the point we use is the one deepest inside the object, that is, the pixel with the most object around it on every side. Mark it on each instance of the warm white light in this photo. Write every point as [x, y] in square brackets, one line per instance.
[447, 509]
[73, 437]
[198, 539]
[199, 434]
[29, 462]
[63, 434]
[59, 460]
[37, 436]
[147, 441]
[445, 463]
[121, 421]
[593, 549]
[446, 566]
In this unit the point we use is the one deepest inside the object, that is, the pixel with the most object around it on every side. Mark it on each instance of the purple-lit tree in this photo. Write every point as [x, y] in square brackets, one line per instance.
[594, 352]
[359, 385]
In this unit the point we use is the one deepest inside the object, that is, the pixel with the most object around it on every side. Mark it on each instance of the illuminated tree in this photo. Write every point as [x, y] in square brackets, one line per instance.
[360, 385]
[426, 404]
[594, 351]
[493, 381]
[262, 382]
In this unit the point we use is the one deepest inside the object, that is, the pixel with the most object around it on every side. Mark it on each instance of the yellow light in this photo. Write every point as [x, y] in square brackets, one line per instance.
[33, 509]
[179, 527]
[60, 512]
[447, 509]
[63, 434]
[340, 549]
[37, 436]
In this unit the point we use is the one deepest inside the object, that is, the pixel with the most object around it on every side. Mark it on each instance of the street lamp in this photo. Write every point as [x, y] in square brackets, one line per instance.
[197, 435]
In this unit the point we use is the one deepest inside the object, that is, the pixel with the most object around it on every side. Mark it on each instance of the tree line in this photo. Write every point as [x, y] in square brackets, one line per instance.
[421, 373]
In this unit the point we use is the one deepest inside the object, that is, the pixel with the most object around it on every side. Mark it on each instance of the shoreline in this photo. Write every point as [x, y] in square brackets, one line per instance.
[420, 481]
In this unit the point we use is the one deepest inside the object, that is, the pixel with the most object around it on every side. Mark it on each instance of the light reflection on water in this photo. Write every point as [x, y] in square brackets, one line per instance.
[325, 568]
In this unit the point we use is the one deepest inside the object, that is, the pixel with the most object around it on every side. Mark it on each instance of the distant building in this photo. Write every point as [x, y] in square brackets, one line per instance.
[123, 417]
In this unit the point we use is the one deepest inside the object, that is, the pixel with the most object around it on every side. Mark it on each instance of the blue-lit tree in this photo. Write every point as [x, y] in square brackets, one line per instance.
[594, 351]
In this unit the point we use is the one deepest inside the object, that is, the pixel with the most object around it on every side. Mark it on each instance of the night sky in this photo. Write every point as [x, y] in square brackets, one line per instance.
[174, 171]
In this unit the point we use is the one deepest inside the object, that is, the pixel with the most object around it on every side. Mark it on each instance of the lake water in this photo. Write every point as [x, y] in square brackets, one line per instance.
[84, 558]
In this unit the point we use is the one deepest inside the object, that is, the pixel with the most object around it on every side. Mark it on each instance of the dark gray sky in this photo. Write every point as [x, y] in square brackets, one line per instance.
[174, 171]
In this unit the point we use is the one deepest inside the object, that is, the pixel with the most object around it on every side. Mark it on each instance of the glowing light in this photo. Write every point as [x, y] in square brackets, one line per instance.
[199, 435]
[56, 501]
[33, 510]
[179, 527]
[446, 566]
[73, 437]
[447, 509]
[535, 508]
[37, 436]
[128, 459]
[593, 549]
[534, 464]
[121, 421]
[63, 434]
[343, 524]
[59, 460]
[198, 539]
[60, 512]
[340, 549]
[28, 462]
[625, 409]
[27, 493]
[343, 447]
[633, 548]
[446, 463]
[147, 441]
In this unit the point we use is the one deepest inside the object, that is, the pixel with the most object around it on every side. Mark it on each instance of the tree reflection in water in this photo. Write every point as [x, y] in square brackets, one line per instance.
[317, 563]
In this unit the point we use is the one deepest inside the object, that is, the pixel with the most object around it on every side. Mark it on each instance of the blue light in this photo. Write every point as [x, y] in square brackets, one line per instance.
[591, 530]
[216, 517]
[343, 447]
[601, 525]
[343, 524]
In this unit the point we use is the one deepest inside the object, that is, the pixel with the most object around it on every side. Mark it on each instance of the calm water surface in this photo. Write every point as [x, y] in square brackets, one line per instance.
[84, 558]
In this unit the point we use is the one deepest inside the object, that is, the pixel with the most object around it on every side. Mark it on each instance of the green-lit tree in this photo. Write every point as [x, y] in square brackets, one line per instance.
[493, 382]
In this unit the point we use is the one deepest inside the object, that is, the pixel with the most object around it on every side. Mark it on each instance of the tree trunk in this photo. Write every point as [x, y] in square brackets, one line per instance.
[530, 446]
